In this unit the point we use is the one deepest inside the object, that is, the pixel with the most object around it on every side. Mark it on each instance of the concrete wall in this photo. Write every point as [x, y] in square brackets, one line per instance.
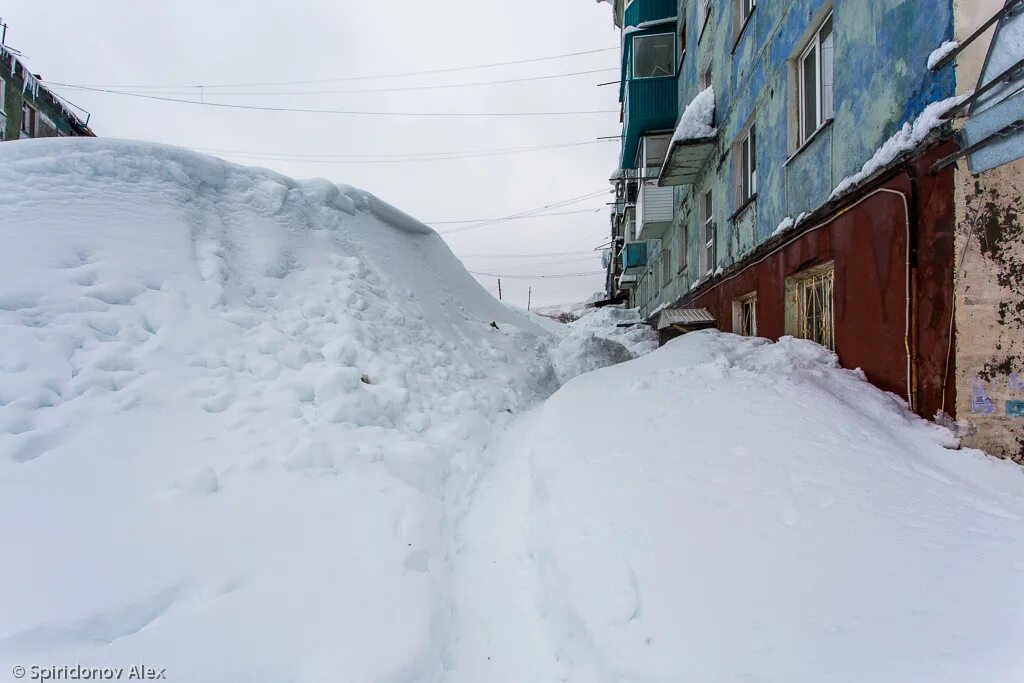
[989, 278]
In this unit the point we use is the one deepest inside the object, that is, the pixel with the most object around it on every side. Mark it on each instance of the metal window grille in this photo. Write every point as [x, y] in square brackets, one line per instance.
[748, 317]
[815, 313]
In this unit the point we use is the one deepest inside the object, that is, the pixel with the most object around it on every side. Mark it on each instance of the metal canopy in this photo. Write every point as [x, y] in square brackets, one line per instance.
[685, 317]
[993, 133]
[685, 160]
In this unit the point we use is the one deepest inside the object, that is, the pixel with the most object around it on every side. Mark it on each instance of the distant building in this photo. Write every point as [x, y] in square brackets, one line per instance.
[28, 109]
[786, 169]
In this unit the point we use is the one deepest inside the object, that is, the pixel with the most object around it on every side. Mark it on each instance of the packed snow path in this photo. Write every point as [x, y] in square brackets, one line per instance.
[257, 429]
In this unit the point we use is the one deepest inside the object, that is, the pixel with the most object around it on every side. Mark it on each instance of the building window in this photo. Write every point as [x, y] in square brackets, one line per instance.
[812, 305]
[705, 78]
[742, 9]
[684, 230]
[666, 266]
[654, 56]
[708, 255]
[744, 315]
[816, 78]
[682, 43]
[746, 151]
[705, 15]
[28, 121]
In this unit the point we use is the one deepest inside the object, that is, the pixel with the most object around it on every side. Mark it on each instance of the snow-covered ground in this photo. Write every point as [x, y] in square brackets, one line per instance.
[727, 509]
[259, 429]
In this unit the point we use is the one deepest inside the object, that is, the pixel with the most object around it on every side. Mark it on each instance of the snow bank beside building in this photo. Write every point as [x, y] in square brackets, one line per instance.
[751, 512]
[231, 408]
[639, 338]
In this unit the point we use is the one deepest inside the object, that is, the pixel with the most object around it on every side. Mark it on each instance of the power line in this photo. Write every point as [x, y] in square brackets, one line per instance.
[366, 78]
[538, 215]
[205, 90]
[344, 112]
[516, 256]
[554, 276]
[567, 202]
[394, 159]
[401, 155]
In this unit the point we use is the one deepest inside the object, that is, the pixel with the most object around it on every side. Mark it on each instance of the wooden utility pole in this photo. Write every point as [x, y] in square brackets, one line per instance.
[499, 289]
[529, 296]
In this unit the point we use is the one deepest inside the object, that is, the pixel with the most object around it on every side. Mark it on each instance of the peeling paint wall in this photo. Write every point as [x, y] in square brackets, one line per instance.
[881, 82]
[989, 279]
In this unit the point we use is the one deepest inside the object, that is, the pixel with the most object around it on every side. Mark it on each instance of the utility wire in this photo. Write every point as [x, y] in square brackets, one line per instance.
[403, 155]
[206, 91]
[567, 202]
[360, 159]
[536, 215]
[366, 78]
[559, 276]
[345, 112]
[517, 256]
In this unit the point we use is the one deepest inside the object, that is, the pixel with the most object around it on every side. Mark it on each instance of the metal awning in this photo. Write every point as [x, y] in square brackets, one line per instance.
[685, 160]
[685, 317]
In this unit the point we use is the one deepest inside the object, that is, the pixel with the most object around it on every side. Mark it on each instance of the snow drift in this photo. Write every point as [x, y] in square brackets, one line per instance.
[256, 429]
[230, 403]
[728, 509]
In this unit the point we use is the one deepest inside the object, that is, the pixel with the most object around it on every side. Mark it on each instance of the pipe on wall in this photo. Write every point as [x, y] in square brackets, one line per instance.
[908, 274]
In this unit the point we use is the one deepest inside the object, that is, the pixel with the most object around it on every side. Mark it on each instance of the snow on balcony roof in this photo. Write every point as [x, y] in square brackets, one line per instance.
[692, 141]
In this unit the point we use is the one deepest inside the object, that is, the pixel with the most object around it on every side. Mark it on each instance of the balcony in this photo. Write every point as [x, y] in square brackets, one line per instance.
[641, 11]
[654, 210]
[693, 143]
[651, 104]
[634, 258]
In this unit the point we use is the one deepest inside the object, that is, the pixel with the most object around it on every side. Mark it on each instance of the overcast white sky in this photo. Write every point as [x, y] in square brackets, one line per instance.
[191, 42]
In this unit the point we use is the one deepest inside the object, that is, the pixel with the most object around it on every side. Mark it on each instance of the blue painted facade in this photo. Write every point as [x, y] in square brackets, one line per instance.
[881, 82]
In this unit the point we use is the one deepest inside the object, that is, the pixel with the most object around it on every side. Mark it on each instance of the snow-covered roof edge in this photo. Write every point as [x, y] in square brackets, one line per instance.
[32, 85]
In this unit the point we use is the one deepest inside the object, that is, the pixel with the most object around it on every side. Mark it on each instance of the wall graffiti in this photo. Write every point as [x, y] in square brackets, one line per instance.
[980, 402]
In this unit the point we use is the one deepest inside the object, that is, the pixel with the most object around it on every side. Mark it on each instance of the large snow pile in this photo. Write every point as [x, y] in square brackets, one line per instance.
[231, 407]
[634, 334]
[728, 509]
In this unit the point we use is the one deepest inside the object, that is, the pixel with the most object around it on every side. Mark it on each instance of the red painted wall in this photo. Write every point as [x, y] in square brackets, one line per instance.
[867, 242]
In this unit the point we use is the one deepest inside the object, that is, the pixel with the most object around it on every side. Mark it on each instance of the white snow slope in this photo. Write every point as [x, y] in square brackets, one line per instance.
[728, 509]
[254, 429]
[193, 474]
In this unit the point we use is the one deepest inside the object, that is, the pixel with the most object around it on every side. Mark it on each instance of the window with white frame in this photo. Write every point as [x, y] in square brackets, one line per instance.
[746, 152]
[811, 302]
[28, 121]
[742, 9]
[654, 56]
[705, 78]
[684, 233]
[708, 253]
[815, 70]
[682, 42]
[705, 14]
[744, 315]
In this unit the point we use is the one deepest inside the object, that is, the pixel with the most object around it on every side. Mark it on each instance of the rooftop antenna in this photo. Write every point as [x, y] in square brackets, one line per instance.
[3, 32]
